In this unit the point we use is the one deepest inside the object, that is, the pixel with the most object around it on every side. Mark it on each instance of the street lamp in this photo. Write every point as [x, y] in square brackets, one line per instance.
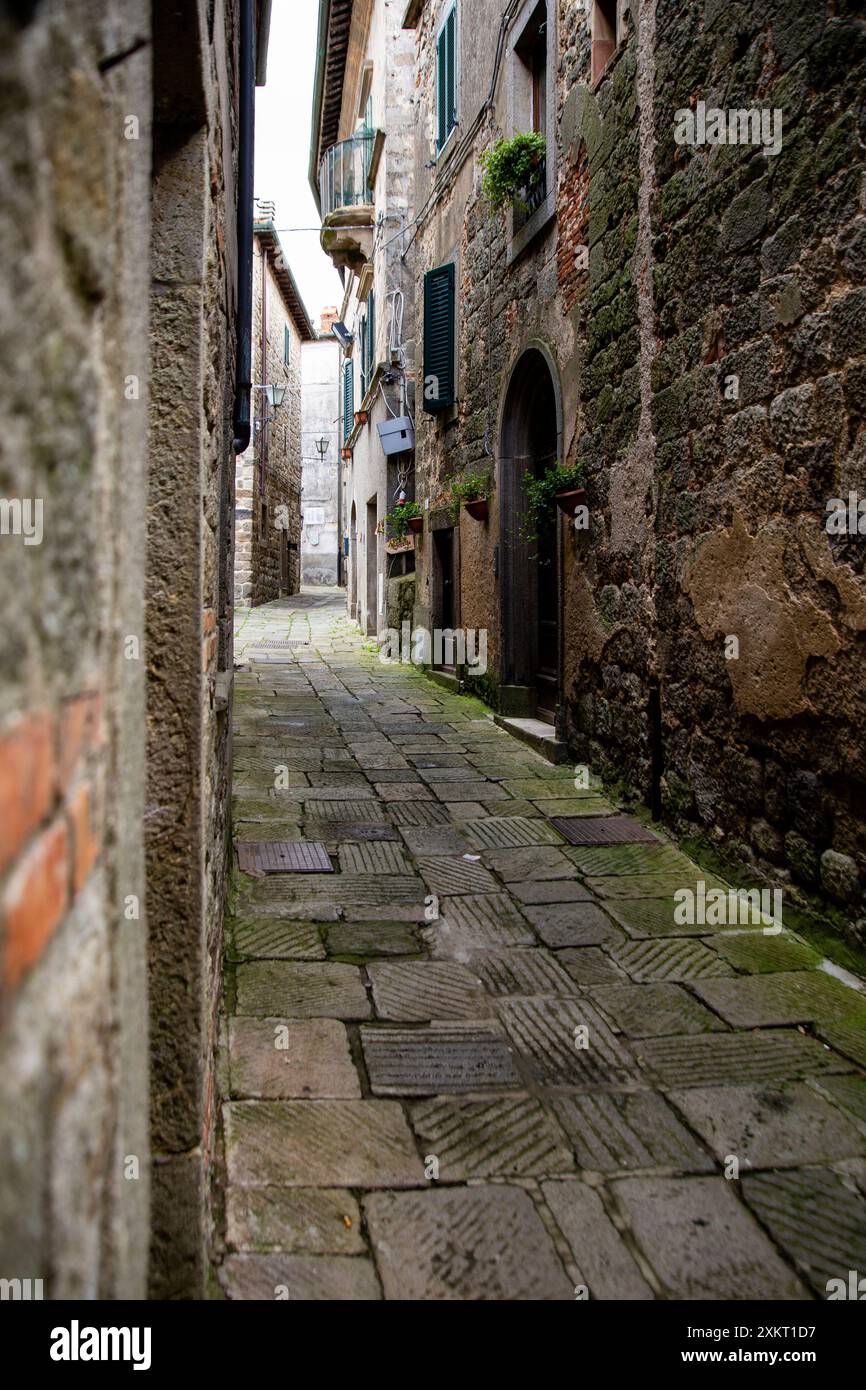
[274, 395]
[322, 446]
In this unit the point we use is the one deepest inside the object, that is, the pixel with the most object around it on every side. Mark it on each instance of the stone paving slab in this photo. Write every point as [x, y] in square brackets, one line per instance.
[320, 1143]
[434, 839]
[503, 831]
[486, 920]
[818, 1219]
[478, 1243]
[652, 917]
[655, 1011]
[521, 972]
[728, 1058]
[607, 1268]
[506, 1137]
[642, 886]
[275, 939]
[272, 1059]
[802, 996]
[452, 874]
[625, 1131]
[441, 1059]
[298, 1277]
[421, 991]
[702, 1243]
[536, 894]
[522, 865]
[756, 953]
[543, 1034]
[850, 1093]
[604, 861]
[296, 1221]
[285, 990]
[589, 965]
[669, 959]
[372, 939]
[574, 924]
[373, 857]
[769, 1126]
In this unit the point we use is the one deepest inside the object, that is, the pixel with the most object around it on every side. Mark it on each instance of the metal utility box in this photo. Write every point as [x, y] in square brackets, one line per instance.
[397, 436]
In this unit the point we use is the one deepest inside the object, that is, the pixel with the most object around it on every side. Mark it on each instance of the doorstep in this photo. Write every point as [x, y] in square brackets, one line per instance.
[540, 736]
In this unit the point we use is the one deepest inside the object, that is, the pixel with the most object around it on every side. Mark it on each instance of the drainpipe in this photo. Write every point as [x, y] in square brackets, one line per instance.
[246, 137]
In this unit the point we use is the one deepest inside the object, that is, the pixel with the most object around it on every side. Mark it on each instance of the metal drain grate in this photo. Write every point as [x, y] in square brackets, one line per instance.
[284, 857]
[603, 830]
[281, 643]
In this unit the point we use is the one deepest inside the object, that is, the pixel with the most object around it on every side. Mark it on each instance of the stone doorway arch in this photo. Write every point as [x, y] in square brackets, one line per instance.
[530, 571]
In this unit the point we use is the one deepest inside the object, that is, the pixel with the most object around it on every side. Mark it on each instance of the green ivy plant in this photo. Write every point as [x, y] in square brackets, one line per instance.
[510, 166]
[541, 494]
[398, 520]
[468, 488]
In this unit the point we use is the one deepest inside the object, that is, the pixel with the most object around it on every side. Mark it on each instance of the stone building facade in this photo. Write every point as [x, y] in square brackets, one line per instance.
[680, 312]
[120, 276]
[322, 534]
[268, 474]
[362, 175]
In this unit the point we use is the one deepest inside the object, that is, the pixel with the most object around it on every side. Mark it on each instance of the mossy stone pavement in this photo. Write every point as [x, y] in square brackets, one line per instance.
[478, 1063]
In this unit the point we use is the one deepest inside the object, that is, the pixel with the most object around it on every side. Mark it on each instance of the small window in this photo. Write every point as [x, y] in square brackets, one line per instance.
[440, 378]
[446, 80]
[606, 31]
[287, 345]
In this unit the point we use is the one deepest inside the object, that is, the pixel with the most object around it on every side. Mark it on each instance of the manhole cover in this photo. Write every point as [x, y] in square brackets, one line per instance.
[603, 830]
[284, 857]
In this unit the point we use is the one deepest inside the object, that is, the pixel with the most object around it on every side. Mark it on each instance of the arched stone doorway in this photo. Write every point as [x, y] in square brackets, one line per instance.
[530, 608]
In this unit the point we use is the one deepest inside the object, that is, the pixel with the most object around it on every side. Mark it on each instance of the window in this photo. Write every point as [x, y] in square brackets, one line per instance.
[287, 345]
[368, 346]
[607, 27]
[439, 366]
[446, 80]
[348, 399]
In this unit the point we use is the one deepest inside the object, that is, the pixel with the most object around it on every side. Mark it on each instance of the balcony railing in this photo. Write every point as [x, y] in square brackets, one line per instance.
[531, 197]
[344, 173]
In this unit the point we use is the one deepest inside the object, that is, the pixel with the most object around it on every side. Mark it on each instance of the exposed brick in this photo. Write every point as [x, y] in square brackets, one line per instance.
[26, 782]
[86, 834]
[81, 732]
[34, 902]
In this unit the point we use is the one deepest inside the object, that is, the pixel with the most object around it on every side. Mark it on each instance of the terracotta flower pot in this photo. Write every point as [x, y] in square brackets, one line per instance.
[569, 502]
[478, 508]
[360, 417]
[416, 524]
[346, 453]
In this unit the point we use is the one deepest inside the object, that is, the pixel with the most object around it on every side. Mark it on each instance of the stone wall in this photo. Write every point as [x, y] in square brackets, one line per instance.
[74, 249]
[259, 574]
[707, 495]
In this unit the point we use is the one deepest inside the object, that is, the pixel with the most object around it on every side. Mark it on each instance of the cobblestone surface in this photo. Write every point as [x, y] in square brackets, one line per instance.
[478, 1063]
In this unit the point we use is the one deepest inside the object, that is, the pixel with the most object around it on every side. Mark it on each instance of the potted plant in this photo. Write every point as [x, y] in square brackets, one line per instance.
[471, 491]
[405, 517]
[558, 486]
[511, 167]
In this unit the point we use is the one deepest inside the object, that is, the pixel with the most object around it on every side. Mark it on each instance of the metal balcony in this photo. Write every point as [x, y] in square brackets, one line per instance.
[347, 173]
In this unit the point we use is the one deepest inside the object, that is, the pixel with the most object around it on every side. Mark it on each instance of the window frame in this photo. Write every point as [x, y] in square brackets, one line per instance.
[440, 406]
[521, 96]
[449, 12]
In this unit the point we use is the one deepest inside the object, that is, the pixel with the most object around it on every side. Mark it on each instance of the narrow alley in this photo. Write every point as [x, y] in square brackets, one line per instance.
[463, 1058]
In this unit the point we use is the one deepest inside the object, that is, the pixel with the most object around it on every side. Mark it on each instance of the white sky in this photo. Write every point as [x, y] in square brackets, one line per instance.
[283, 109]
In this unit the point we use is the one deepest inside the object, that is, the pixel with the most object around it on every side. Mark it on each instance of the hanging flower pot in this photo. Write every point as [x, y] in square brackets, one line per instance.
[416, 524]
[346, 454]
[568, 502]
[360, 417]
[478, 507]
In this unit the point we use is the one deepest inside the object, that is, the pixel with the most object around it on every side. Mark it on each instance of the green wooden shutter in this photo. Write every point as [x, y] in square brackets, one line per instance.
[371, 339]
[439, 373]
[441, 91]
[348, 399]
[287, 345]
[451, 71]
